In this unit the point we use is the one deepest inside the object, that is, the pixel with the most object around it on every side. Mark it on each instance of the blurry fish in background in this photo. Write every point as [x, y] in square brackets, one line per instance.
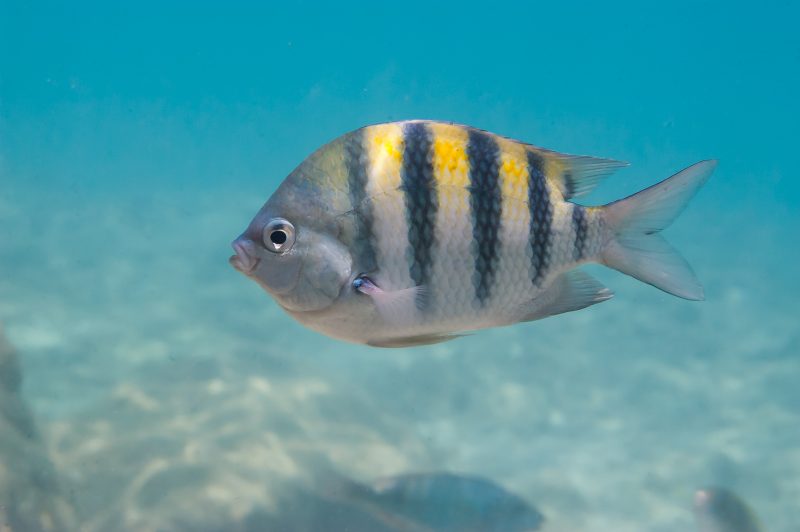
[443, 502]
[718, 509]
[409, 233]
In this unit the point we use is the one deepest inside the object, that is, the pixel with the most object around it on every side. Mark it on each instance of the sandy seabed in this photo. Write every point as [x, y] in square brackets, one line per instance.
[171, 394]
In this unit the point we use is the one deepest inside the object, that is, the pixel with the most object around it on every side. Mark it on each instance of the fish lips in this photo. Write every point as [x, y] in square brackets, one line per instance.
[245, 259]
[274, 278]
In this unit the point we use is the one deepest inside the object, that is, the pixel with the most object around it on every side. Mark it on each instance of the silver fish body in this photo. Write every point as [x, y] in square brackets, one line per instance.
[409, 233]
[434, 502]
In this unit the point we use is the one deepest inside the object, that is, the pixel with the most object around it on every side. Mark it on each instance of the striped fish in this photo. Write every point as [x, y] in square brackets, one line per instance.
[409, 233]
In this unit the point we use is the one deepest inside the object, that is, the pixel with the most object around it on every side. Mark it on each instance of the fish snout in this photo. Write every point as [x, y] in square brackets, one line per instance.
[701, 498]
[245, 259]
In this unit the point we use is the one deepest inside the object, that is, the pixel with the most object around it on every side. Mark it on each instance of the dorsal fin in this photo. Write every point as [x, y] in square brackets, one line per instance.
[577, 175]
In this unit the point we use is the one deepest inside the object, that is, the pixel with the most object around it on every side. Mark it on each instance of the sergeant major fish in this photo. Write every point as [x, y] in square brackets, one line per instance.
[409, 233]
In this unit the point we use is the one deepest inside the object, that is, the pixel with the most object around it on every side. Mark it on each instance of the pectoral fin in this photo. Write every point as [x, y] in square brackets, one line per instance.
[396, 307]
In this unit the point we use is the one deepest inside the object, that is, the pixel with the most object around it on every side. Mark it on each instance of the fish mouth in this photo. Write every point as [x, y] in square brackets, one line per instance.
[701, 498]
[244, 261]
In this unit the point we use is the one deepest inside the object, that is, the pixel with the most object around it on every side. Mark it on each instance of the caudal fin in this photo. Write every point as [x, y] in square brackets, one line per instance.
[638, 250]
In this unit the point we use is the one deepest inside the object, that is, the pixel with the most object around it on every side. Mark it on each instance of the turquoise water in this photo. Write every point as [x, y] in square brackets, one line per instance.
[170, 393]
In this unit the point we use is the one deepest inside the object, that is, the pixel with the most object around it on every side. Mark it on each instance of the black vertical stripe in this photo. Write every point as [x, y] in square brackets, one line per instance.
[581, 227]
[419, 187]
[485, 200]
[541, 218]
[356, 161]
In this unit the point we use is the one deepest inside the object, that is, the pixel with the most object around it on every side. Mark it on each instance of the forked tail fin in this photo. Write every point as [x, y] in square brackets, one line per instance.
[638, 250]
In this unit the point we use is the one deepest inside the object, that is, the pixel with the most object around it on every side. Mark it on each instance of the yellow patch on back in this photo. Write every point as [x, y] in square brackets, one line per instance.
[451, 170]
[384, 145]
[450, 162]
[513, 169]
[513, 176]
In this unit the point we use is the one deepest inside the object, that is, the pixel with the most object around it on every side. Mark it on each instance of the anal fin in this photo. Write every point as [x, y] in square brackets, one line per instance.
[572, 290]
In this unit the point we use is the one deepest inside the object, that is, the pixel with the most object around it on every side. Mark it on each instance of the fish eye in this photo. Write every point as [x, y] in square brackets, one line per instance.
[278, 235]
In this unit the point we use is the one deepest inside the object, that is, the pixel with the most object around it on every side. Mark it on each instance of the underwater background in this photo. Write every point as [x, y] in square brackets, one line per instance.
[165, 391]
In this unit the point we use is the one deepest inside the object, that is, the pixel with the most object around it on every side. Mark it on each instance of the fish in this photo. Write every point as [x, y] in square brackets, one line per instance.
[443, 501]
[417, 232]
[718, 509]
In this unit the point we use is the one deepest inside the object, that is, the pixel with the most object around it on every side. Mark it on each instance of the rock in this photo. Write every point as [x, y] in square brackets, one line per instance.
[30, 497]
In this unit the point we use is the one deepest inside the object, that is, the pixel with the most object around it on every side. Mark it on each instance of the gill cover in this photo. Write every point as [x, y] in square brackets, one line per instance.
[323, 267]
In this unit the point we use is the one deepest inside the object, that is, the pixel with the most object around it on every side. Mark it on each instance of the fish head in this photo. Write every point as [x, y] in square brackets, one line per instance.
[295, 247]
[301, 266]
[718, 509]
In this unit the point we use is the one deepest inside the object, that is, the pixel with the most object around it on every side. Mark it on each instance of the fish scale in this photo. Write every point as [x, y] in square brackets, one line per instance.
[453, 225]
[384, 145]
